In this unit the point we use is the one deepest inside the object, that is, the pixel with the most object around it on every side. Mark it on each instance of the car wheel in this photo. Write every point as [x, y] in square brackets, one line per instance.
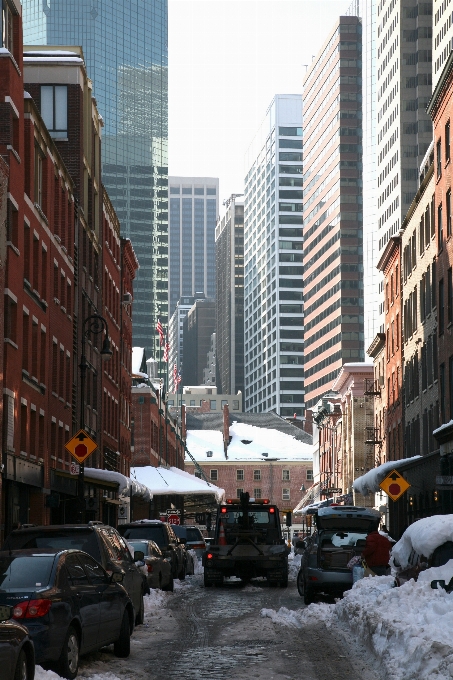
[122, 647]
[140, 618]
[207, 582]
[21, 672]
[69, 658]
[169, 586]
[300, 583]
[182, 573]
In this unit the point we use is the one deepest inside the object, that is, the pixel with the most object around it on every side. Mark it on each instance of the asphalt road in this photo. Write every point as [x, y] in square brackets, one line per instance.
[218, 634]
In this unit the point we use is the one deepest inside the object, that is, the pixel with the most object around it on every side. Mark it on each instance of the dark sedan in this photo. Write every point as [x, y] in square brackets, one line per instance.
[156, 567]
[17, 656]
[69, 604]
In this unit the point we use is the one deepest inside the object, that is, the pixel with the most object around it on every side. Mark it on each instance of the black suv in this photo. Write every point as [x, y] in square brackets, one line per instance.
[162, 534]
[99, 540]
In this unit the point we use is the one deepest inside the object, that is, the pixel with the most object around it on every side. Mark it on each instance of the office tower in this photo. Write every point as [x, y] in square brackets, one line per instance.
[332, 249]
[273, 288]
[442, 12]
[175, 333]
[125, 48]
[229, 244]
[194, 207]
[404, 30]
[199, 325]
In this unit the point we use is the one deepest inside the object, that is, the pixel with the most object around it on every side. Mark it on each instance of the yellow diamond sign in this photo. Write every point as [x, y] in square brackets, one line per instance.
[394, 485]
[81, 446]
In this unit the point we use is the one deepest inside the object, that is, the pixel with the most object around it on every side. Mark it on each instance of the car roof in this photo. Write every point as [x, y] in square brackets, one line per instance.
[40, 551]
[56, 527]
[142, 522]
[348, 510]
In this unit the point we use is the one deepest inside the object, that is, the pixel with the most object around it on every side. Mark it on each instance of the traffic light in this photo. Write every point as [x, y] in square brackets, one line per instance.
[289, 518]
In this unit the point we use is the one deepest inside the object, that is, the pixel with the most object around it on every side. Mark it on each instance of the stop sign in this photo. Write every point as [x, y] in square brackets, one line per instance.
[173, 519]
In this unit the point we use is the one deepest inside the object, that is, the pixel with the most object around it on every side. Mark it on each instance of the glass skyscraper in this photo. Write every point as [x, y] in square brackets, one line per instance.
[125, 48]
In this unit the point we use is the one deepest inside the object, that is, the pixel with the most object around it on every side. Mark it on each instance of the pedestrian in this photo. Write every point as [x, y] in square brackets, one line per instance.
[377, 553]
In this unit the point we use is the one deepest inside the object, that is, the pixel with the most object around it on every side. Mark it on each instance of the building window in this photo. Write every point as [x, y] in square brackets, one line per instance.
[285, 475]
[54, 109]
[285, 495]
[256, 475]
[441, 316]
[38, 175]
[238, 492]
[7, 33]
[309, 475]
[440, 229]
[224, 402]
[235, 404]
[447, 141]
[198, 474]
[448, 204]
[449, 296]
[439, 158]
[214, 475]
[213, 404]
[257, 493]
[442, 392]
[239, 475]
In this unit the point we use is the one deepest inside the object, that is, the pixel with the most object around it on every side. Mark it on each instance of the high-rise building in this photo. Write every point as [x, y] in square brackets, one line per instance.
[175, 333]
[273, 288]
[229, 237]
[332, 211]
[125, 48]
[194, 207]
[442, 11]
[199, 326]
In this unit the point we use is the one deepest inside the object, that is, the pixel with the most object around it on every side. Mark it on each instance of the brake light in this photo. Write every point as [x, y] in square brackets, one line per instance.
[198, 546]
[223, 510]
[150, 568]
[209, 556]
[271, 511]
[31, 609]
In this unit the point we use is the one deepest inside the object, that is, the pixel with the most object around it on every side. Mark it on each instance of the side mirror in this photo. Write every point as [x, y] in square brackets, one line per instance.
[117, 577]
[139, 556]
[6, 613]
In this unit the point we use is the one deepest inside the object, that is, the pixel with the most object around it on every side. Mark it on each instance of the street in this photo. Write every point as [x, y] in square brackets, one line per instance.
[214, 633]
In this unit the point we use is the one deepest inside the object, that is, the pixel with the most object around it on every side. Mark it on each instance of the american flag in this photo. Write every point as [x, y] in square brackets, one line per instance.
[166, 349]
[160, 330]
[176, 378]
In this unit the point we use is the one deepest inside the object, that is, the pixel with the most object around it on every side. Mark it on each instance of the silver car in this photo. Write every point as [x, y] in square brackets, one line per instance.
[155, 566]
[340, 535]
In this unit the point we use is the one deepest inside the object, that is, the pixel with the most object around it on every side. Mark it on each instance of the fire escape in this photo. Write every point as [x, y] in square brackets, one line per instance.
[373, 437]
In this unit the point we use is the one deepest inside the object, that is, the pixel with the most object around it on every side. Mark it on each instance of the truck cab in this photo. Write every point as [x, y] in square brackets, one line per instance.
[247, 543]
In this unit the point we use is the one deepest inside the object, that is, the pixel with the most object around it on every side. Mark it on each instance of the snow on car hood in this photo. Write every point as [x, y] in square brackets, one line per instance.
[423, 536]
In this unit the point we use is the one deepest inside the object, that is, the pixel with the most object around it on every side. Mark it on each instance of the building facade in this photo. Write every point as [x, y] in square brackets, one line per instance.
[175, 332]
[229, 244]
[198, 326]
[125, 47]
[442, 35]
[194, 208]
[332, 210]
[273, 270]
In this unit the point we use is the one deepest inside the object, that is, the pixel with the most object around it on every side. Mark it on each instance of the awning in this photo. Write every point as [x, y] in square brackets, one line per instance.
[369, 482]
[172, 481]
[307, 499]
[126, 485]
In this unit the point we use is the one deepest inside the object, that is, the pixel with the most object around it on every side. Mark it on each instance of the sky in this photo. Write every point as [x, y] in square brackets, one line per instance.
[227, 59]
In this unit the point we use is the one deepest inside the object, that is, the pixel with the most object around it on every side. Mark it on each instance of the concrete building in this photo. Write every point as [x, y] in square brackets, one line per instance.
[127, 62]
[194, 208]
[332, 209]
[209, 373]
[442, 12]
[229, 248]
[175, 331]
[198, 326]
[273, 286]
[208, 398]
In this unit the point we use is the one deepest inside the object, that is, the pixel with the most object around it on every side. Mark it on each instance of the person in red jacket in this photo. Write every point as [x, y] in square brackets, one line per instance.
[377, 553]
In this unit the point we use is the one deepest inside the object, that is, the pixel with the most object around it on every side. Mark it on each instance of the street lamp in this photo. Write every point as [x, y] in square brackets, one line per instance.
[92, 325]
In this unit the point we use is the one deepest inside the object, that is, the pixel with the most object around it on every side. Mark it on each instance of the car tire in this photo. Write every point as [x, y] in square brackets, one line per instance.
[300, 583]
[69, 658]
[207, 582]
[182, 573]
[169, 587]
[21, 672]
[140, 618]
[122, 647]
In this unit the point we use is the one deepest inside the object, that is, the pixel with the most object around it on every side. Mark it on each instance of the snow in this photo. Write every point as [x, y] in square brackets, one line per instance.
[369, 482]
[445, 426]
[262, 440]
[126, 484]
[137, 360]
[423, 536]
[174, 481]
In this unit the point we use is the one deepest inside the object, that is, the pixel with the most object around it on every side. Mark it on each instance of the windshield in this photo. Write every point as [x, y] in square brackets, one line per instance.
[76, 540]
[138, 545]
[20, 572]
[343, 539]
[180, 531]
[194, 535]
[235, 518]
[150, 532]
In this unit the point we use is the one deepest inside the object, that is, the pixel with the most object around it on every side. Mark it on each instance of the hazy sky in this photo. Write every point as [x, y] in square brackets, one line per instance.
[227, 59]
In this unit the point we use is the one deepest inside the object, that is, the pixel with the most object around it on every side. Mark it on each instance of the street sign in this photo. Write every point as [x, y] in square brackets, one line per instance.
[74, 469]
[173, 512]
[173, 519]
[394, 485]
[81, 446]
[332, 489]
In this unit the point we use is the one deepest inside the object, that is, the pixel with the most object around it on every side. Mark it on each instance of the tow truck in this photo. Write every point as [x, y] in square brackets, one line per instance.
[248, 542]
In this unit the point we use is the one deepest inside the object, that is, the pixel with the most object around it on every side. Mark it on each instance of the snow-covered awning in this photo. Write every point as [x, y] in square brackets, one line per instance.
[163, 481]
[126, 485]
[369, 482]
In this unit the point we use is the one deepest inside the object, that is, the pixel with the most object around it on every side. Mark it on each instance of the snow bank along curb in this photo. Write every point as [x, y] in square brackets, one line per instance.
[409, 629]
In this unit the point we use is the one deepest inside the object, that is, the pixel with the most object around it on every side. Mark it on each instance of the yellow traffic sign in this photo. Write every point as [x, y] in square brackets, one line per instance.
[394, 485]
[81, 446]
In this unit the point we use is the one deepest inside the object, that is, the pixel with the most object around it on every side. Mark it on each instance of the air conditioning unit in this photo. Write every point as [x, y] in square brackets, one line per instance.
[127, 298]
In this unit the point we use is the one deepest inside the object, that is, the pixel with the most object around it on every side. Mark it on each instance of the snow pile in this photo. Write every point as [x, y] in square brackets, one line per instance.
[409, 629]
[155, 600]
[369, 482]
[41, 674]
[423, 536]
[293, 565]
[197, 566]
[248, 443]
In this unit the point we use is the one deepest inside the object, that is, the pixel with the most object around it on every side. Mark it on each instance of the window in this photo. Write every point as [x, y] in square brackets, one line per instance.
[257, 493]
[257, 475]
[12, 223]
[439, 158]
[7, 21]
[38, 175]
[441, 317]
[54, 109]
[10, 331]
[447, 141]
[235, 404]
[240, 475]
[238, 492]
[442, 393]
[214, 475]
[440, 231]
[224, 402]
[213, 404]
[448, 205]
[285, 475]
[449, 296]
[450, 385]
[286, 495]
[309, 475]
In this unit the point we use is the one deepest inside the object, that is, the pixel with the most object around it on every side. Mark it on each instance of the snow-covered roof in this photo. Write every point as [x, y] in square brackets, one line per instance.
[369, 482]
[174, 481]
[248, 443]
[445, 426]
[126, 484]
[423, 536]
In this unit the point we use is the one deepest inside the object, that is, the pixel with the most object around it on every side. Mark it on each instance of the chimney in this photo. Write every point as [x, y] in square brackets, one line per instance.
[226, 429]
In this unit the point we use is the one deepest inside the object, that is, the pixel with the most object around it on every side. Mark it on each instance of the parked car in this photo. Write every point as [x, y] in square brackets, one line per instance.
[416, 561]
[340, 534]
[155, 566]
[68, 603]
[162, 534]
[194, 538]
[17, 654]
[99, 540]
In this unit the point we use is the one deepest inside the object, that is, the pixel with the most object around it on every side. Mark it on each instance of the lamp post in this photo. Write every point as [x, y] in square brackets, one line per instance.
[92, 325]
